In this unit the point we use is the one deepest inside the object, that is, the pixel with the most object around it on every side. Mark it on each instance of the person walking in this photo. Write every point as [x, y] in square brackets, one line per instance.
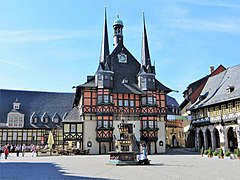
[18, 149]
[23, 150]
[33, 149]
[6, 151]
[1, 150]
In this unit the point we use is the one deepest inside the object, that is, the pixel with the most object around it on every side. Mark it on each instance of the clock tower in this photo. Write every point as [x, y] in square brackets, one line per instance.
[118, 34]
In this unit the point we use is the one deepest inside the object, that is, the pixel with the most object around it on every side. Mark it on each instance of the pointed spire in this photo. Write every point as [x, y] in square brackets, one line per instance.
[105, 46]
[145, 50]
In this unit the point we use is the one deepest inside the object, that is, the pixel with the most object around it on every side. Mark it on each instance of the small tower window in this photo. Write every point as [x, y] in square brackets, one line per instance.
[35, 120]
[125, 81]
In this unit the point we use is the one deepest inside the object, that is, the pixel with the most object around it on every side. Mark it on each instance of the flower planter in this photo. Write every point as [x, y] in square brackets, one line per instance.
[216, 157]
[205, 155]
[227, 157]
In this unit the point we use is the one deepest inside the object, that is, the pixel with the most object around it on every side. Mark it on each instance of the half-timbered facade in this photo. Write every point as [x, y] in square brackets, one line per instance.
[216, 114]
[122, 89]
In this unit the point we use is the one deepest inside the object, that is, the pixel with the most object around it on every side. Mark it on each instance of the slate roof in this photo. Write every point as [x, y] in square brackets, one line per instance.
[171, 101]
[215, 90]
[74, 116]
[127, 70]
[38, 102]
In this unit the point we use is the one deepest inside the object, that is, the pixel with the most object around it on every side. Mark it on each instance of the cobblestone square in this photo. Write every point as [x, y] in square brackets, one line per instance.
[169, 166]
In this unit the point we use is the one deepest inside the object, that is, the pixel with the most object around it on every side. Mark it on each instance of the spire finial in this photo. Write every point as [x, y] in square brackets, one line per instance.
[146, 60]
[105, 47]
[143, 18]
[105, 12]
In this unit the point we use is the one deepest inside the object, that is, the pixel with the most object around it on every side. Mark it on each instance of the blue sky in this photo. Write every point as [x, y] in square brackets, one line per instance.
[52, 45]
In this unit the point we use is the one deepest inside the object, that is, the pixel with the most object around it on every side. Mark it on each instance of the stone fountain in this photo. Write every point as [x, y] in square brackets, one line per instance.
[124, 153]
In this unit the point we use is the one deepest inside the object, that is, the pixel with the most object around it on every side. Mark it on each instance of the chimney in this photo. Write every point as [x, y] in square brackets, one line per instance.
[211, 69]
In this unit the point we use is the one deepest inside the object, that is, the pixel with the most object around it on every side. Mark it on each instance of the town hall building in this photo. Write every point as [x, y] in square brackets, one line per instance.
[121, 90]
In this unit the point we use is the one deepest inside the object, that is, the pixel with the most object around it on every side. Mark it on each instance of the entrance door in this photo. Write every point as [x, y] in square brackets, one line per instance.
[217, 138]
[200, 139]
[208, 138]
[174, 141]
[231, 139]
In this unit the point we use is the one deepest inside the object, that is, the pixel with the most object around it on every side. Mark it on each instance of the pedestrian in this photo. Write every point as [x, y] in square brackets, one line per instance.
[23, 150]
[11, 148]
[33, 149]
[18, 149]
[6, 151]
[1, 150]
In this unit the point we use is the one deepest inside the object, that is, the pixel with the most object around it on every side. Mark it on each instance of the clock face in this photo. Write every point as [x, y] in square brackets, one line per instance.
[122, 58]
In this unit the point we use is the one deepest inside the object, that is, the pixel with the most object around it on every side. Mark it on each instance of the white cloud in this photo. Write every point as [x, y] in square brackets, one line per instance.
[43, 35]
[224, 25]
[214, 3]
[12, 63]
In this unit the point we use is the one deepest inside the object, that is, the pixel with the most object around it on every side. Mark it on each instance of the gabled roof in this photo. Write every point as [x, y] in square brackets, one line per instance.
[199, 84]
[38, 102]
[73, 116]
[216, 88]
[171, 101]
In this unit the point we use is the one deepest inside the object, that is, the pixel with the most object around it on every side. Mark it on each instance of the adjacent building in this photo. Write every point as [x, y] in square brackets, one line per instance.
[191, 95]
[216, 113]
[27, 117]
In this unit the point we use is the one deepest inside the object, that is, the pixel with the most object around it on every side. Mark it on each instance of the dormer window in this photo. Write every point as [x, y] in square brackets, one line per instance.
[125, 81]
[55, 118]
[33, 118]
[44, 118]
[230, 89]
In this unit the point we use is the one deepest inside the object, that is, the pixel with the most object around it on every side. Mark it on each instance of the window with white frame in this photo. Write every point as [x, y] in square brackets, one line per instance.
[73, 128]
[105, 124]
[237, 106]
[217, 110]
[230, 107]
[106, 98]
[144, 100]
[110, 123]
[24, 136]
[151, 124]
[120, 102]
[126, 102]
[223, 107]
[99, 98]
[131, 103]
[99, 123]
[4, 136]
[144, 124]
